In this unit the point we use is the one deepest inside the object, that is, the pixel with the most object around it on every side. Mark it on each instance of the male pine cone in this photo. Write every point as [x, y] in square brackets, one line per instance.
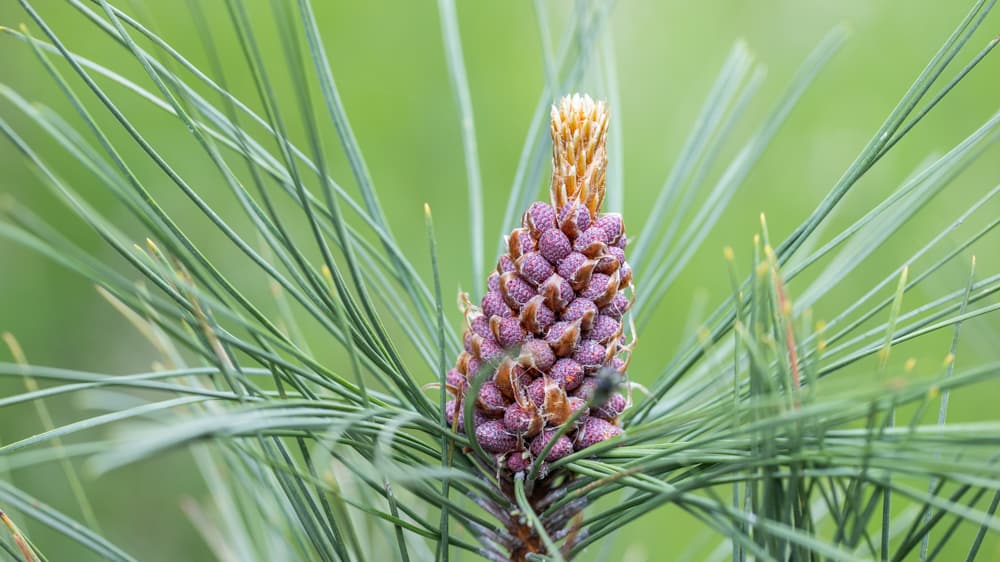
[553, 316]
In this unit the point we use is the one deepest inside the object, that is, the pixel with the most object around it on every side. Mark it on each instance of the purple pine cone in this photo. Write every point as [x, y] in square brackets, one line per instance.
[552, 316]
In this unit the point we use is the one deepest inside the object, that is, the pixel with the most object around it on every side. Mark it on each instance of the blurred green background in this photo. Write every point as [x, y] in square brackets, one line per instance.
[389, 63]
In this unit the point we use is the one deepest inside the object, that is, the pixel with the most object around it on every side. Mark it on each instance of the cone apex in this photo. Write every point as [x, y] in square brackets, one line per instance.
[579, 130]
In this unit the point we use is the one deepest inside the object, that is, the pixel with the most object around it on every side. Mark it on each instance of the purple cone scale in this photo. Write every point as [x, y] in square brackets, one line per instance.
[554, 312]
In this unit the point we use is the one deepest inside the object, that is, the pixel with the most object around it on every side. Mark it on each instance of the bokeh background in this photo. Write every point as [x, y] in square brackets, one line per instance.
[389, 63]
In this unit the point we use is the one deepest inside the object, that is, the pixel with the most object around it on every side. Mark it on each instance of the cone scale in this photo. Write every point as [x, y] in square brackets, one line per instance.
[551, 323]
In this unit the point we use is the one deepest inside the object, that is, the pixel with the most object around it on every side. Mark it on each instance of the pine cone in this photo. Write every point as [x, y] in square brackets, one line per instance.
[553, 315]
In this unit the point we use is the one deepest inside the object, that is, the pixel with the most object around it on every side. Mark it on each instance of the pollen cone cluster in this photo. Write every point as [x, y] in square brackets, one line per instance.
[553, 316]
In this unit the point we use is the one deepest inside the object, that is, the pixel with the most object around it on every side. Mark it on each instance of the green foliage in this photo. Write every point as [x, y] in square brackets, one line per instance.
[790, 439]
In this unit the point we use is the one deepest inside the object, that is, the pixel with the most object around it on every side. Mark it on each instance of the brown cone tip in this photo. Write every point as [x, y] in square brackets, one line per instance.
[579, 159]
